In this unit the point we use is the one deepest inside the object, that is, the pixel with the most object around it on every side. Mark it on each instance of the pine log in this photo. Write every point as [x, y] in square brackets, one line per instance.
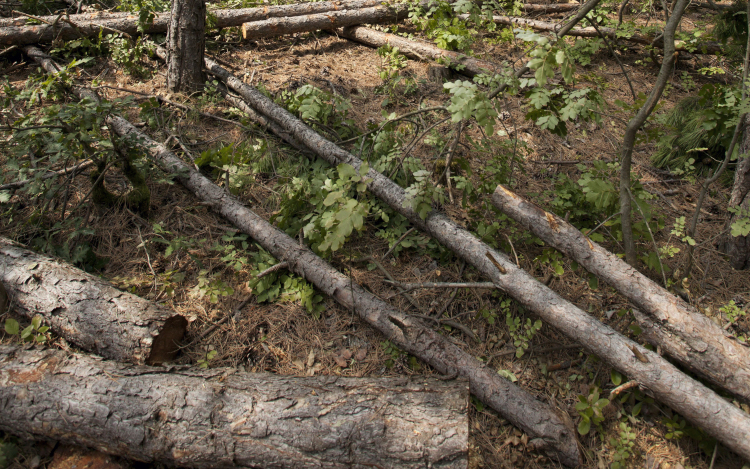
[224, 418]
[551, 432]
[325, 21]
[464, 64]
[687, 335]
[86, 310]
[712, 48]
[14, 31]
[697, 403]
[550, 7]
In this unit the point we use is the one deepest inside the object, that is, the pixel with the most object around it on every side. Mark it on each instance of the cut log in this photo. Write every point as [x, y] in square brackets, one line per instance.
[15, 31]
[551, 432]
[687, 335]
[222, 418]
[325, 21]
[550, 7]
[464, 64]
[702, 406]
[86, 310]
[713, 48]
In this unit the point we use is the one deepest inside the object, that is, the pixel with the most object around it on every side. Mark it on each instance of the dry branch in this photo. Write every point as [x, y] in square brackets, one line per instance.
[221, 418]
[551, 432]
[713, 48]
[52, 174]
[88, 311]
[325, 21]
[468, 65]
[14, 31]
[687, 396]
[686, 335]
[549, 8]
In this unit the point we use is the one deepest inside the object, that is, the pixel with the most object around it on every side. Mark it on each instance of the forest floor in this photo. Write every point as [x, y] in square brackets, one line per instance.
[284, 338]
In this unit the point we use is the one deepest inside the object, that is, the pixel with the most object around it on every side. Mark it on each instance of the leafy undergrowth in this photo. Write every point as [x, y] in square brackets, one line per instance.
[571, 111]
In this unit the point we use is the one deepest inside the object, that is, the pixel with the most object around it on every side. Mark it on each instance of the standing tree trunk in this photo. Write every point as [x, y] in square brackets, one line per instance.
[738, 247]
[186, 42]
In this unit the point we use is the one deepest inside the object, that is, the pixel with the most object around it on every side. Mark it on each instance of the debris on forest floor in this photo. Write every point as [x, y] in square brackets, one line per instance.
[281, 337]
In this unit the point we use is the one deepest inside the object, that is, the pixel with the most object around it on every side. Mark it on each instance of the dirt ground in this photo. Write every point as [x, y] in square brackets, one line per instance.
[281, 337]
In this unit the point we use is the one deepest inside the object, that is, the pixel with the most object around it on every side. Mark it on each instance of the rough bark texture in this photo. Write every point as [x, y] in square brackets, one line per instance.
[420, 50]
[691, 399]
[549, 8]
[702, 48]
[15, 31]
[327, 21]
[221, 418]
[737, 248]
[88, 311]
[683, 333]
[552, 431]
[186, 45]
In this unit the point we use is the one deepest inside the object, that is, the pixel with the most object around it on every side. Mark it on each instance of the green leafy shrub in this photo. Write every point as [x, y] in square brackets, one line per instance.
[699, 130]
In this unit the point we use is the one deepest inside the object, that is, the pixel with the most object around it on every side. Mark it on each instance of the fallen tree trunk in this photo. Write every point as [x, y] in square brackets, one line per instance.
[221, 418]
[686, 335]
[326, 21]
[86, 310]
[466, 65]
[549, 8]
[15, 32]
[694, 401]
[712, 48]
[552, 433]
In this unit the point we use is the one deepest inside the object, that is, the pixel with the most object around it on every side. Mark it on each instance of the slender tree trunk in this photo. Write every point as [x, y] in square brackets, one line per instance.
[186, 44]
[682, 332]
[628, 141]
[687, 396]
[88, 311]
[222, 418]
[737, 248]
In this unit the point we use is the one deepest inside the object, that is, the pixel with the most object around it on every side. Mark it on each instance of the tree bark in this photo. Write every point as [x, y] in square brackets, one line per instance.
[326, 21]
[186, 45]
[687, 396]
[221, 418]
[15, 31]
[712, 48]
[551, 432]
[684, 333]
[464, 64]
[737, 248]
[88, 311]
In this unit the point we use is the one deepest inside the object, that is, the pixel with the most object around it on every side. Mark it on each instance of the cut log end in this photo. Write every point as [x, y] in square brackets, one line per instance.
[166, 345]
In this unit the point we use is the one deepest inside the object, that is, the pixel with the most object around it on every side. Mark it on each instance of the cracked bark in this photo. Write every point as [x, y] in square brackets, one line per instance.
[222, 418]
[550, 429]
[693, 400]
[683, 333]
[737, 248]
[186, 45]
[86, 310]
